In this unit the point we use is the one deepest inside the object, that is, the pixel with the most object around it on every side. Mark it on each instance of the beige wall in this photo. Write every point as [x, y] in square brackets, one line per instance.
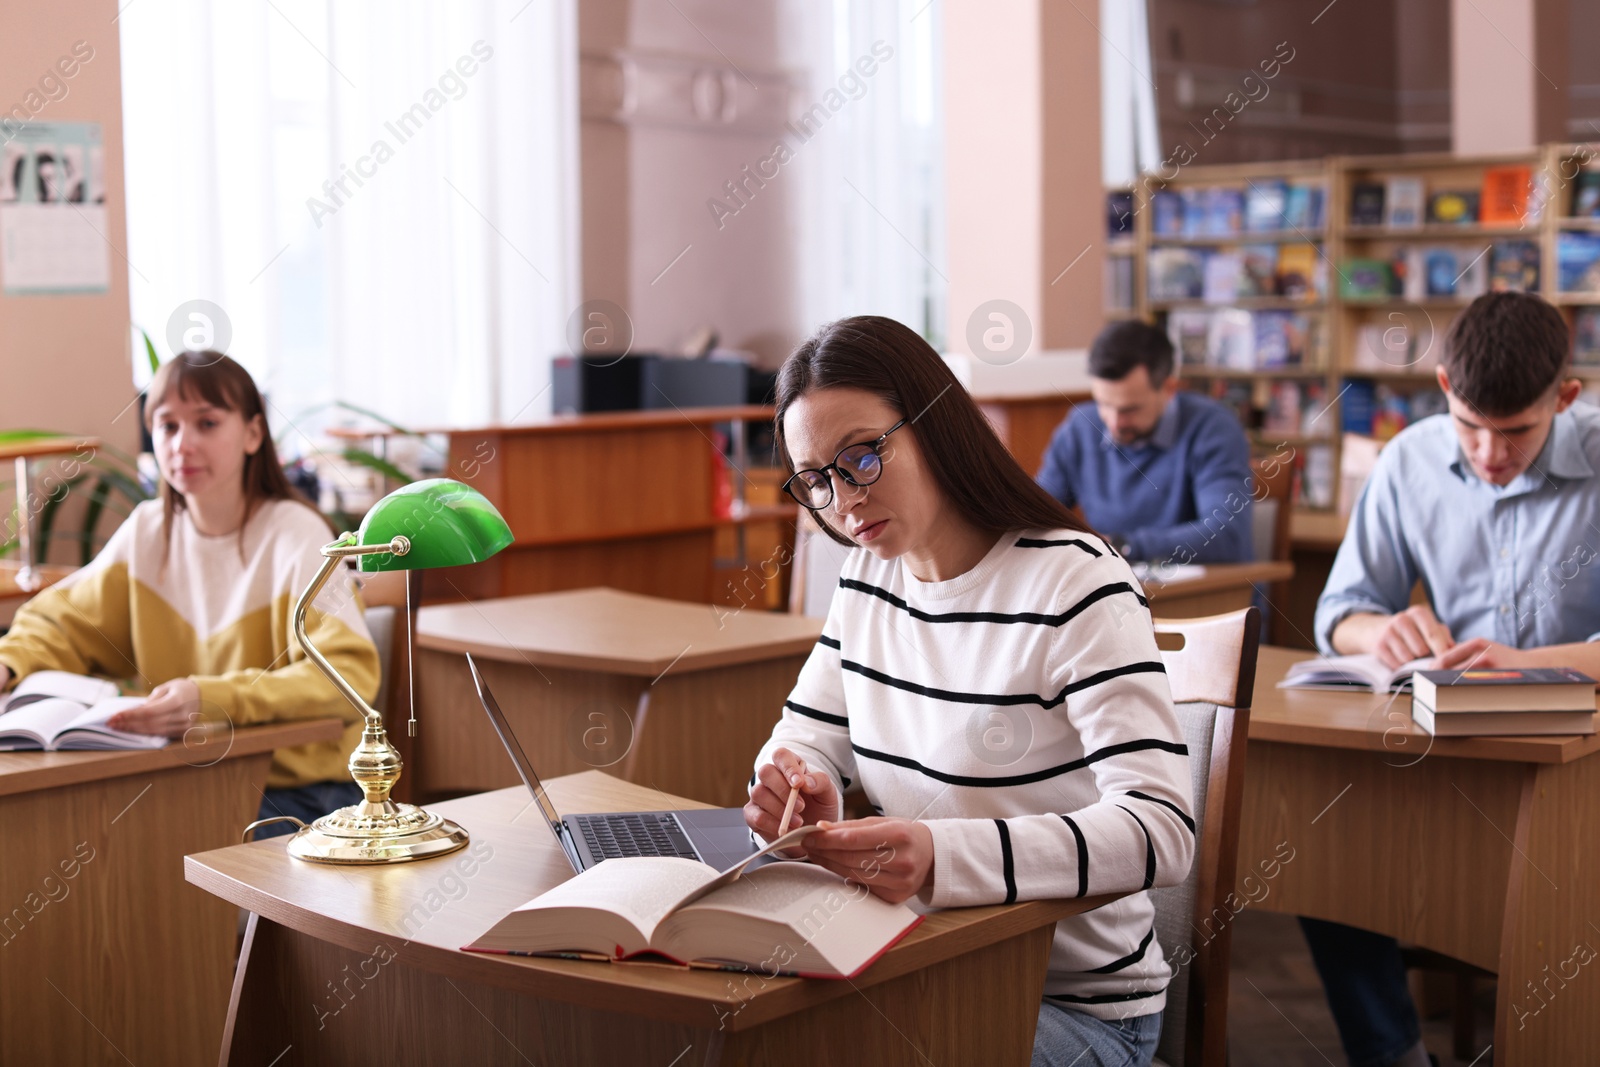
[1022, 166]
[65, 359]
[994, 152]
[678, 97]
[1509, 79]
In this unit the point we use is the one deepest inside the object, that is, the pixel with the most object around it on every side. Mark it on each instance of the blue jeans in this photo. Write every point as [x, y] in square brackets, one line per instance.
[306, 803]
[1367, 992]
[1068, 1038]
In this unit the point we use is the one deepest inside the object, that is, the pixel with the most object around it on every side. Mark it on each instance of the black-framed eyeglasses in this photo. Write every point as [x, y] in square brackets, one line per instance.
[859, 465]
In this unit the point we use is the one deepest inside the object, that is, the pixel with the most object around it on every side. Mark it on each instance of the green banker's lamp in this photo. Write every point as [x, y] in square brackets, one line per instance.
[432, 523]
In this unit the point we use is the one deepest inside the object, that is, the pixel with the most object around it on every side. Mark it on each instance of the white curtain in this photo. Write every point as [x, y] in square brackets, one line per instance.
[380, 197]
[1129, 138]
[872, 201]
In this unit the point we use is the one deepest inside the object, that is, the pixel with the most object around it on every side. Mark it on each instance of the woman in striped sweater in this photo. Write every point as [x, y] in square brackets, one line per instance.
[988, 675]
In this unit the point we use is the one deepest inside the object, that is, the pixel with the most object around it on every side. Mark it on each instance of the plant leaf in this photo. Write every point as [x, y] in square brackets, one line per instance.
[91, 516]
[369, 413]
[52, 504]
[362, 458]
[23, 436]
[150, 351]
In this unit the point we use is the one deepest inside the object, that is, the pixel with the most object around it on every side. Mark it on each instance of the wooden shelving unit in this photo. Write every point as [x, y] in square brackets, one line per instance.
[1423, 321]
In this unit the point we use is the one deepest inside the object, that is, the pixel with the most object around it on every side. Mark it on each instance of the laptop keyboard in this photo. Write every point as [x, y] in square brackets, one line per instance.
[614, 836]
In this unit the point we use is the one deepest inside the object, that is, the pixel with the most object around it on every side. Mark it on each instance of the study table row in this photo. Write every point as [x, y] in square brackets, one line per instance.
[657, 691]
[1477, 848]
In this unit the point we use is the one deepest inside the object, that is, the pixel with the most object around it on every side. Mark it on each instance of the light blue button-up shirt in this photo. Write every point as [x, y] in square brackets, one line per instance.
[1519, 565]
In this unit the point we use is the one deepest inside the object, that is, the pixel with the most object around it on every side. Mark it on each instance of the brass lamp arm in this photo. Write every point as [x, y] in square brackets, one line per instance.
[334, 554]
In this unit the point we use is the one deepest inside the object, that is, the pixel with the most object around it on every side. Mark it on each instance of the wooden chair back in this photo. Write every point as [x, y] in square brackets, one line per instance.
[1211, 668]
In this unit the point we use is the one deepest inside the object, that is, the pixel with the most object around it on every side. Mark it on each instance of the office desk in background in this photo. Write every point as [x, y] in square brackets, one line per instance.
[620, 498]
[1483, 849]
[664, 693]
[963, 987]
[1211, 589]
[123, 962]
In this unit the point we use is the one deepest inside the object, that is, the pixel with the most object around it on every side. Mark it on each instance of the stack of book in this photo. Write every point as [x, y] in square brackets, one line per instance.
[1478, 703]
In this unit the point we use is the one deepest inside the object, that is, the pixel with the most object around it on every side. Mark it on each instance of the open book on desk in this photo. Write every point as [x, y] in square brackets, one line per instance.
[1363, 672]
[789, 918]
[57, 711]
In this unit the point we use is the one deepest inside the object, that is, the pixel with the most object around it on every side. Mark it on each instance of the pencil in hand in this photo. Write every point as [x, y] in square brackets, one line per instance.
[788, 809]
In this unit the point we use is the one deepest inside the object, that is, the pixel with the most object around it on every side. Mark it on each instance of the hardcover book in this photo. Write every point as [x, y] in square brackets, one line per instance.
[1506, 192]
[1454, 208]
[789, 918]
[1366, 204]
[1505, 689]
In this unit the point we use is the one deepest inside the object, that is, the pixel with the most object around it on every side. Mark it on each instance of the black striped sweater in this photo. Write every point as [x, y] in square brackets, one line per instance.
[1021, 711]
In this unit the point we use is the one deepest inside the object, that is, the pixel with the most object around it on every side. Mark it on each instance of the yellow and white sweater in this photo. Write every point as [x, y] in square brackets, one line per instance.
[210, 615]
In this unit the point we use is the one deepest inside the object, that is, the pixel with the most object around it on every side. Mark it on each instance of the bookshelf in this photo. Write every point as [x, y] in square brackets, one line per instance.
[1124, 282]
[1176, 290]
[1354, 344]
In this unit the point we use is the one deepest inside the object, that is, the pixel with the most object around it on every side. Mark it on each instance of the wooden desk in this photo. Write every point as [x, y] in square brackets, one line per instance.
[623, 498]
[1221, 587]
[672, 695]
[121, 962]
[963, 987]
[1480, 848]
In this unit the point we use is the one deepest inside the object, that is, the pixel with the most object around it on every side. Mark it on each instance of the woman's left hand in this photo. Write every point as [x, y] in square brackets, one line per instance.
[891, 857]
[173, 707]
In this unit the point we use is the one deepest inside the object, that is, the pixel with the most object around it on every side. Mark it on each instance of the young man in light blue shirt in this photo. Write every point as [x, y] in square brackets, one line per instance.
[1495, 509]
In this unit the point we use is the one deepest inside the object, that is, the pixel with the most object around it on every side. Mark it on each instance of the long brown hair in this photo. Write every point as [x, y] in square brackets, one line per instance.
[222, 383]
[974, 470]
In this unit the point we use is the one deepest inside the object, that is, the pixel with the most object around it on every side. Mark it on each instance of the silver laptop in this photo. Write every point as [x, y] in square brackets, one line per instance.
[715, 836]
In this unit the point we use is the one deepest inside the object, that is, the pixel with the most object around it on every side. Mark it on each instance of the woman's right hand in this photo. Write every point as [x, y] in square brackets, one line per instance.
[818, 801]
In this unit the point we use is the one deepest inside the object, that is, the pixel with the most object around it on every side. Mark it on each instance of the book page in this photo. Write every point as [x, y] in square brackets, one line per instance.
[781, 891]
[42, 719]
[1363, 670]
[79, 688]
[93, 723]
[828, 924]
[641, 889]
[1401, 676]
[734, 872]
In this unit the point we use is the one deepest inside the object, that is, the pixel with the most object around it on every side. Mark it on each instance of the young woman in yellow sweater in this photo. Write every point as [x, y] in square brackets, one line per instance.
[192, 599]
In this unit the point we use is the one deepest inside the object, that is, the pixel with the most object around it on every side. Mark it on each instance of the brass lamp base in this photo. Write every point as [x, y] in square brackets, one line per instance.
[377, 833]
[377, 830]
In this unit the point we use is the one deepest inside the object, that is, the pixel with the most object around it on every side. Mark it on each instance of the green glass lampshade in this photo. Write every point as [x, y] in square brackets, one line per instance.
[447, 522]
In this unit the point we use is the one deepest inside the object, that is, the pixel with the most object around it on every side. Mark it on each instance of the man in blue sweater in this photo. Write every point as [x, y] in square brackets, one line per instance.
[1162, 474]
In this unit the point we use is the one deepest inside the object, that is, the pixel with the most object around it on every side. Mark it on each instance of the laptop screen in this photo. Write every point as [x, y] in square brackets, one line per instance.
[518, 757]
